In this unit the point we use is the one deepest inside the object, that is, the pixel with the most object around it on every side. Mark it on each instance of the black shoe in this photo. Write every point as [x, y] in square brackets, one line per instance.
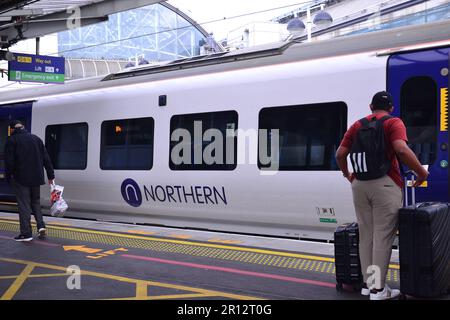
[23, 238]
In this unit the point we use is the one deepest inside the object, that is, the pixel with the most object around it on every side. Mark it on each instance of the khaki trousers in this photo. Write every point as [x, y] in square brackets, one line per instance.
[376, 203]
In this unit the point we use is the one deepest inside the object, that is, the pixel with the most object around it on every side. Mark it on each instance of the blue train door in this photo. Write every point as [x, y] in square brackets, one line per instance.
[419, 83]
[19, 111]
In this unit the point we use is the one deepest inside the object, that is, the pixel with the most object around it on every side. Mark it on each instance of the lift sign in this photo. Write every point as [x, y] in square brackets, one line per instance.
[32, 68]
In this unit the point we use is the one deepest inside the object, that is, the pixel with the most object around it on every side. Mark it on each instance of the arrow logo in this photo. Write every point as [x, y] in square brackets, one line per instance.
[81, 249]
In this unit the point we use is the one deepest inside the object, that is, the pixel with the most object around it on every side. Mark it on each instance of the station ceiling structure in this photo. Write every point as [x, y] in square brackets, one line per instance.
[28, 19]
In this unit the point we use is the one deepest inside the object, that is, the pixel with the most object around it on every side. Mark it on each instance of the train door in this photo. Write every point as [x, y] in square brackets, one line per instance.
[419, 83]
[19, 111]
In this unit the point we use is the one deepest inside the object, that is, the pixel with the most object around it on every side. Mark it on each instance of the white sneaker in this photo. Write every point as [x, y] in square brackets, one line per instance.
[42, 232]
[365, 291]
[386, 294]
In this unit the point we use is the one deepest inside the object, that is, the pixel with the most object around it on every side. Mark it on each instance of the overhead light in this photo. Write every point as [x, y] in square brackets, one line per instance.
[296, 27]
[323, 18]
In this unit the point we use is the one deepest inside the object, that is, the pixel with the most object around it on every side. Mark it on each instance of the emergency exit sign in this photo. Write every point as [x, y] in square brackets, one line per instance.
[33, 68]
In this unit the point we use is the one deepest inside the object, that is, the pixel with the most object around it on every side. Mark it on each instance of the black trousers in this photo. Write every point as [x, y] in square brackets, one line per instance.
[28, 199]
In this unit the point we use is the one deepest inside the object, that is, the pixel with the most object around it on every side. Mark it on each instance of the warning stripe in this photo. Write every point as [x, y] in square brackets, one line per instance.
[444, 109]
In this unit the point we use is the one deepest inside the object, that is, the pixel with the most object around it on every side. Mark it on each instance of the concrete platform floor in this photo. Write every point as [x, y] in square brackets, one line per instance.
[84, 260]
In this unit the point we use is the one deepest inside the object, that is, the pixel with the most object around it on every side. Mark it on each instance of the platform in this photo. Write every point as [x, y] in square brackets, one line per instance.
[123, 262]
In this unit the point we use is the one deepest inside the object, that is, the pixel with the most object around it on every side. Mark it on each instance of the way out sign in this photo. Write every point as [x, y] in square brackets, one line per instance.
[33, 68]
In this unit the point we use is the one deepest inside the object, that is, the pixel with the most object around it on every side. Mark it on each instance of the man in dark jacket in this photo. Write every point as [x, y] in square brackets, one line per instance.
[25, 159]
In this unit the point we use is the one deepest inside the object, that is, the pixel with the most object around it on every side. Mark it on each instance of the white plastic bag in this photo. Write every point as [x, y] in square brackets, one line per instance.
[59, 208]
[59, 205]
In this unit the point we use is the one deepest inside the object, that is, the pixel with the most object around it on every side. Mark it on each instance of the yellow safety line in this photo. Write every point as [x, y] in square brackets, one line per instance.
[198, 244]
[8, 277]
[173, 296]
[17, 284]
[48, 275]
[141, 290]
[131, 280]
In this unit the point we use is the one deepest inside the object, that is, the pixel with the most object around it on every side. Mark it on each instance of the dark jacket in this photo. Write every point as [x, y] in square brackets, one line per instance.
[25, 159]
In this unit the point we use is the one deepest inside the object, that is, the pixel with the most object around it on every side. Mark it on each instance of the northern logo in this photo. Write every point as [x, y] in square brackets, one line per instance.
[131, 193]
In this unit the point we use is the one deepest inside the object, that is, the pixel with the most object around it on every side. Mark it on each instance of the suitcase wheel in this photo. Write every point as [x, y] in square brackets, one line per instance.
[402, 296]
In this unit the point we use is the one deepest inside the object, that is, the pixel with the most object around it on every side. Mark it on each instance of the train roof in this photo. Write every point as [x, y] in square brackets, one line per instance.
[393, 40]
[383, 42]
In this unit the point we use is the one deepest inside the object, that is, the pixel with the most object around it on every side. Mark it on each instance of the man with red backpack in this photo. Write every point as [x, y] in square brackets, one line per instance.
[374, 143]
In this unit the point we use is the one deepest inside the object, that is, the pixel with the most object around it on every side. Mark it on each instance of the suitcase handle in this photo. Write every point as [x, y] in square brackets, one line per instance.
[413, 190]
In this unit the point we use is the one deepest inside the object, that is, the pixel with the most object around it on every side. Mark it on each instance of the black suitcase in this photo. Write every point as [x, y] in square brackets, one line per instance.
[424, 248]
[346, 255]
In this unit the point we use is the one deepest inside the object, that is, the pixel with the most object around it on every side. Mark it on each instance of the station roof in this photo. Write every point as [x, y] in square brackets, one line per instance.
[28, 19]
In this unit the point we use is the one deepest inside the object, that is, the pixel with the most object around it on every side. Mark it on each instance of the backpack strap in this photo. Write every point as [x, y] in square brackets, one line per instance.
[386, 117]
[364, 121]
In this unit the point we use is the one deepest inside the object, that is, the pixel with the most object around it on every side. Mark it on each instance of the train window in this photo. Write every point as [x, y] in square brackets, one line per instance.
[67, 145]
[302, 137]
[419, 106]
[204, 141]
[127, 144]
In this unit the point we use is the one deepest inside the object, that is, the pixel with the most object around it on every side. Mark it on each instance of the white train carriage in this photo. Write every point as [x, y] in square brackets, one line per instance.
[178, 144]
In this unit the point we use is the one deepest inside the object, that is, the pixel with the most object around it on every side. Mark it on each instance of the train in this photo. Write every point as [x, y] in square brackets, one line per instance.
[241, 141]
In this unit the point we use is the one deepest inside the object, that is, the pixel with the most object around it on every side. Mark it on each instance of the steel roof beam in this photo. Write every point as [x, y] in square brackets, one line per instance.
[6, 5]
[22, 12]
[61, 21]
